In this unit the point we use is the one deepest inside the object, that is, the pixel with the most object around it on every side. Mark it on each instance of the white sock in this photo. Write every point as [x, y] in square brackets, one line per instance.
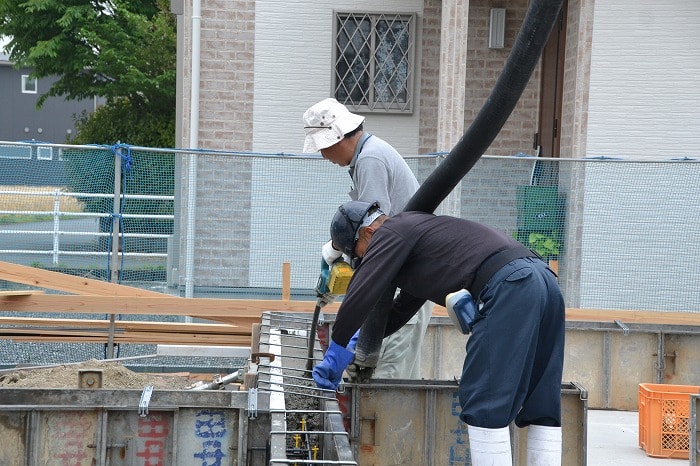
[543, 446]
[489, 447]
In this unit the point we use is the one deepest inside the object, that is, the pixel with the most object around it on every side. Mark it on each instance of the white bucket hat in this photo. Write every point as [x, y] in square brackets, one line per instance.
[326, 123]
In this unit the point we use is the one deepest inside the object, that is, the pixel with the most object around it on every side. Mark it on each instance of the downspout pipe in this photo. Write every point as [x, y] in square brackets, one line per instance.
[193, 144]
[529, 43]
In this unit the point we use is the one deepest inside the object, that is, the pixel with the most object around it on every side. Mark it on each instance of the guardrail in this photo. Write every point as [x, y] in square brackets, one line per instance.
[57, 216]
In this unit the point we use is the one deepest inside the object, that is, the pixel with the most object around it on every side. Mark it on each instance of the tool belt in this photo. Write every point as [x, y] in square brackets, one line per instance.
[494, 263]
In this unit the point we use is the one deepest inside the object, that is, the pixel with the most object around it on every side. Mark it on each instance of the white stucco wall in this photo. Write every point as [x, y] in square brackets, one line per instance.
[293, 69]
[644, 86]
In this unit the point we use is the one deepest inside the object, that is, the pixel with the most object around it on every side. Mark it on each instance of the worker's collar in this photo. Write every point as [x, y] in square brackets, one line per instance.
[358, 148]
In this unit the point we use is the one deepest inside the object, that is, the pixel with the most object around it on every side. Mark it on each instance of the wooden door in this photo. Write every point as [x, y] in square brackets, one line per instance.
[551, 91]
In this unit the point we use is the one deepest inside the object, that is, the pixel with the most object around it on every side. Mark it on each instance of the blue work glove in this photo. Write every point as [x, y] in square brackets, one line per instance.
[329, 372]
[353, 341]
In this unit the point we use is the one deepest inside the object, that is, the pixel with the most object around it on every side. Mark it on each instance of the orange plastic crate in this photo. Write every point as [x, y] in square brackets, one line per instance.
[664, 424]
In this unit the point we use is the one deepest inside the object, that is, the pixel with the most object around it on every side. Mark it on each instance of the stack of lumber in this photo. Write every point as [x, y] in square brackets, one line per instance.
[234, 317]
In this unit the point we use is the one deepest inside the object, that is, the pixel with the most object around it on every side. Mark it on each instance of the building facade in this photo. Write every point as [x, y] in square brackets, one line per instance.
[617, 81]
[20, 120]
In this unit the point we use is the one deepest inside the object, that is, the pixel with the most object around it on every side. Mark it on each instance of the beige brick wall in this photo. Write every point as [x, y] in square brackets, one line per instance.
[430, 69]
[484, 66]
[227, 57]
[225, 123]
[579, 31]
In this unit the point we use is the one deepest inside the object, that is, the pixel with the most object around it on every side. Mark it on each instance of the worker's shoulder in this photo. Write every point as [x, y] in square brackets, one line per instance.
[376, 145]
[385, 156]
[412, 216]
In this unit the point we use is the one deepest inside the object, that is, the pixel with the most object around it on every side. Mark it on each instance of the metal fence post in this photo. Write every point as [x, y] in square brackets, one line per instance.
[56, 225]
[114, 257]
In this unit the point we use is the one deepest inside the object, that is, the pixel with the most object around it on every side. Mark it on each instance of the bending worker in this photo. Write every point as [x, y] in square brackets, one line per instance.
[378, 173]
[513, 367]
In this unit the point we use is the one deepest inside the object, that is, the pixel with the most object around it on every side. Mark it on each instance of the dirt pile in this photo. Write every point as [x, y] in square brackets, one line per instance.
[114, 376]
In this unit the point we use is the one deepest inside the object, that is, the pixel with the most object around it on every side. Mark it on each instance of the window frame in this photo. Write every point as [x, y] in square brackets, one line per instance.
[26, 79]
[373, 105]
[16, 152]
[44, 153]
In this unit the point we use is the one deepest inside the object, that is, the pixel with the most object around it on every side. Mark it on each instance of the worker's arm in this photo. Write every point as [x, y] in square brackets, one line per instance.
[404, 307]
[370, 282]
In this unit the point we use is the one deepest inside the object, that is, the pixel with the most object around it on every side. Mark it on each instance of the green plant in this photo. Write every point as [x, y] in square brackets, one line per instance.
[547, 246]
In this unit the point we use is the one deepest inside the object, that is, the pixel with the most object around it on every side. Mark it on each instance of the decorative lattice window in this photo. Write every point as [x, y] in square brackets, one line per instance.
[374, 61]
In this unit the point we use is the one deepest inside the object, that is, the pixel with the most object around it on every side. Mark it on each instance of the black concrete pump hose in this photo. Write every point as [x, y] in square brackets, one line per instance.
[538, 23]
[532, 37]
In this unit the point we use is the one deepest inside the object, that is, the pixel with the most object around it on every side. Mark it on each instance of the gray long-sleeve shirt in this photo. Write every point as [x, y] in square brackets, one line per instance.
[379, 173]
[424, 255]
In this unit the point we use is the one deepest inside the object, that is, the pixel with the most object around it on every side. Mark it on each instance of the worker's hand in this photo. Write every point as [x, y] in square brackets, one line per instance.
[329, 372]
[329, 253]
[325, 298]
[359, 373]
[362, 367]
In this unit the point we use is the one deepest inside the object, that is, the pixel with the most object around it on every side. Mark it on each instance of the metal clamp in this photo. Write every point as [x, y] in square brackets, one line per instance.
[252, 403]
[145, 399]
[255, 357]
[625, 328]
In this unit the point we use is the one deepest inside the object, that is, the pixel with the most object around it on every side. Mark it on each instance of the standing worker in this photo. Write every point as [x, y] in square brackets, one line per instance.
[378, 173]
[515, 353]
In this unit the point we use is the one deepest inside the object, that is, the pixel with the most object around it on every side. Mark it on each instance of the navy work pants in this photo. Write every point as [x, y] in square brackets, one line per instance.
[515, 354]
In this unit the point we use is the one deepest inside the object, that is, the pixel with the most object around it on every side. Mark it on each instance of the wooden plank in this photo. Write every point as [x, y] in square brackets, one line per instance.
[633, 317]
[37, 329]
[286, 281]
[161, 305]
[174, 327]
[626, 316]
[20, 292]
[68, 283]
[233, 320]
[230, 310]
[26, 335]
[132, 326]
[236, 322]
[98, 297]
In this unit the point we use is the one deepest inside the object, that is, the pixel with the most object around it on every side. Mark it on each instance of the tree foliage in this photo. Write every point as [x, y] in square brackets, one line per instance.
[123, 122]
[117, 49]
[121, 50]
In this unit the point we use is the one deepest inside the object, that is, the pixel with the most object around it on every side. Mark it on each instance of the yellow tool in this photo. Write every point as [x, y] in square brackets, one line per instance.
[332, 282]
[339, 278]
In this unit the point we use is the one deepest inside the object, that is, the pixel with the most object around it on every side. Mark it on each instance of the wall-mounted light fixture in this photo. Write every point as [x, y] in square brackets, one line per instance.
[497, 28]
